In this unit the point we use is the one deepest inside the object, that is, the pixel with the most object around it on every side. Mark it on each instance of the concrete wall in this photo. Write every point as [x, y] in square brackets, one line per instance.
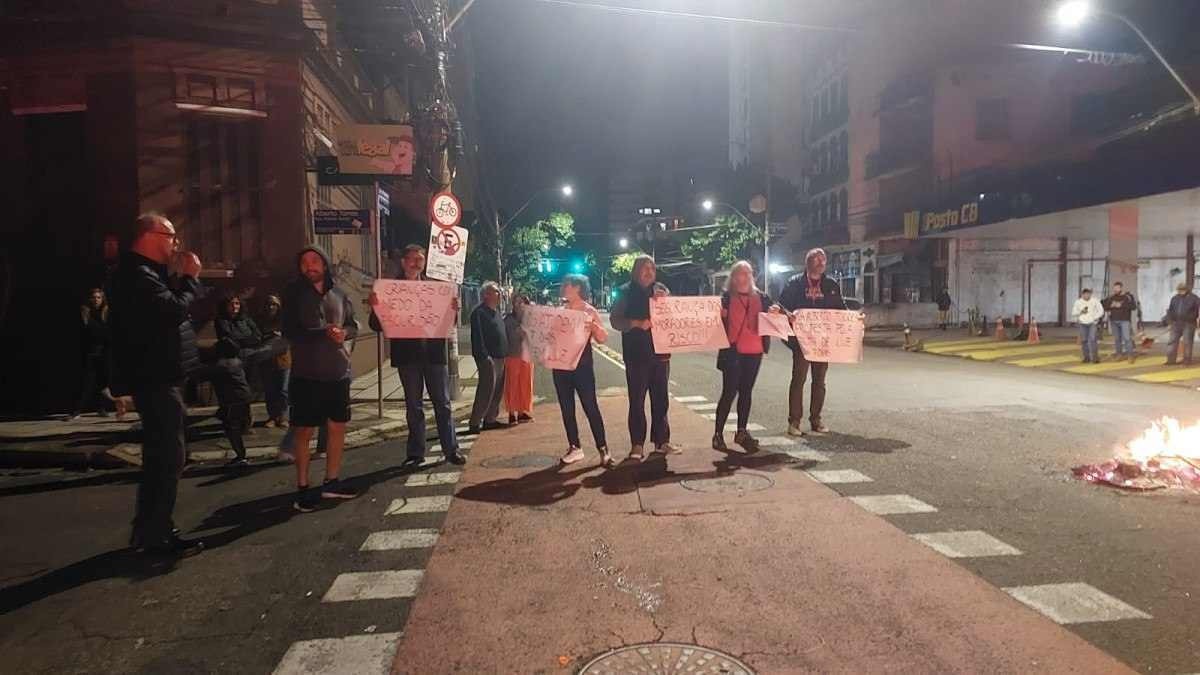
[1161, 267]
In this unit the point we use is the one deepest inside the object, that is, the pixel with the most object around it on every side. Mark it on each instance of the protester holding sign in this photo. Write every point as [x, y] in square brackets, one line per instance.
[645, 370]
[422, 364]
[810, 289]
[518, 366]
[741, 304]
[581, 380]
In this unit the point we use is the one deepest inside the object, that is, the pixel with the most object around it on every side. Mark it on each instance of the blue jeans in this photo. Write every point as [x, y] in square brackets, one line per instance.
[1088, 334]
[435, 378]
[275, 389]
[1123, 336]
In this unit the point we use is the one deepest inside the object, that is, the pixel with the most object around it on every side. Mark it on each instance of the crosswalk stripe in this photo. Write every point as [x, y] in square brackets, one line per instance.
[371, 653]
[437, 478]
[690, 399]
[966, 544]
[993, 354]
[1114, 366]
[418, 505]
[385, 585]
[702, 406]
[942, 344]
[1175, 375]
[1050, 360]
[394, 540]
[887, 505]
[981, 345]
[1075, 603]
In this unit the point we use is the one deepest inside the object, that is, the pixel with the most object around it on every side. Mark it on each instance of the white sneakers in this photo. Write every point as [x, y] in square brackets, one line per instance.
[668, 449]
[573, 455]
[794, 430]
[636, 453]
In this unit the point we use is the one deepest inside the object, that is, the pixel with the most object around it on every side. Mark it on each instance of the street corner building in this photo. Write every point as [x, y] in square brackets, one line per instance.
[214, 113]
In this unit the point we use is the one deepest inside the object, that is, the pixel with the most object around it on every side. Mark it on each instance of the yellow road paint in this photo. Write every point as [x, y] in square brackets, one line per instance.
[1175, 374]
[1050, 360]
[981, 345]
[958, 343]
[1115, 366]
[1030, 350]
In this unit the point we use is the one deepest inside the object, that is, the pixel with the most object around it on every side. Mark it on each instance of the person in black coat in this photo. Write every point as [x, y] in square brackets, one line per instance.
[234, 324]
[489, 345]
[147, 315]
[810, 289]
[422, 364]
[96, 350]
[233, 397]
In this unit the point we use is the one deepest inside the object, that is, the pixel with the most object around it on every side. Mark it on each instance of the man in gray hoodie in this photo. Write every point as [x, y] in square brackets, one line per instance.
[318, 321]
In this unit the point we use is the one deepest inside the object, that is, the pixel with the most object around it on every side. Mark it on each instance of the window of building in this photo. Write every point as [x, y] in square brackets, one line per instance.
[844, 143]
[845, 201]
[223, 189]
[991, 119]
[835, 96]
[835, 153]
[845, 92]
[836, 211]
[241, 92]
[202, 87]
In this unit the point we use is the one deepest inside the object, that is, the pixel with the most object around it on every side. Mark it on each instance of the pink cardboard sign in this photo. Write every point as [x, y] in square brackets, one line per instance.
[556, 337]
[774, 325]
[687, 324]
[829, 335]
[415, 309]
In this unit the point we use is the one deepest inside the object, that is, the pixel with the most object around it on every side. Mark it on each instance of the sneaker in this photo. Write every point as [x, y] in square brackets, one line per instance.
[455, 457]
[411, 462]
[718, 442]
[493, 425]
[636, 453]
[606, 458]
[748, 442]
[307, 499]
[818, 428]
[524, 417]
[573, 455]
[334, 488]
[237, 462]
[668, 449]
[795, 430]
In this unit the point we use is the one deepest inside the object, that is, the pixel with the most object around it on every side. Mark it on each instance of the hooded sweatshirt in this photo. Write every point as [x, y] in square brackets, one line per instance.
[307, 315]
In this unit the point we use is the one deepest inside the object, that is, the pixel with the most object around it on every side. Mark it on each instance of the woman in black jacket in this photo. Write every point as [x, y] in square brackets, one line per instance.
[233, 324]
[95, 344]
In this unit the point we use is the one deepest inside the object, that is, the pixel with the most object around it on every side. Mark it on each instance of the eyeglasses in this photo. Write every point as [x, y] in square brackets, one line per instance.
[168, 235]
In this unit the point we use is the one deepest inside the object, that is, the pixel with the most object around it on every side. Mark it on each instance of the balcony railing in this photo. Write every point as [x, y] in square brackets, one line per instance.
[827, 123]
[823, 181]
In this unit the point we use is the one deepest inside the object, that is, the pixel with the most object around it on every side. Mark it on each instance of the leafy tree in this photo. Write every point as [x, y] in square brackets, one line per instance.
[622, 265]
[526, 245]
[719, 247]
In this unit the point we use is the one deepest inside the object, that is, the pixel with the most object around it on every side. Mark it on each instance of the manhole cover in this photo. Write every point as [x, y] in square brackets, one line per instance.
[530, 461]
[738, 482]
[665, 657]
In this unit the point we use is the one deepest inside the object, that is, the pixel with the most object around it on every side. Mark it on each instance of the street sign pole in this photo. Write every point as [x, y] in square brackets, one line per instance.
[379, 337]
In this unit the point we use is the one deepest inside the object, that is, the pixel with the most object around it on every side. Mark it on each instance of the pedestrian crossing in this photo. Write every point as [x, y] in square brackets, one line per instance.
[1064, 356]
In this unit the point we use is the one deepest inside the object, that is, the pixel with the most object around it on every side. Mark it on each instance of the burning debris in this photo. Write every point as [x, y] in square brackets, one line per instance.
[1167, 455]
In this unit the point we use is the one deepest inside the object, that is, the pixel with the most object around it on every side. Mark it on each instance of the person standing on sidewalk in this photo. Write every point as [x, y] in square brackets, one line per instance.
[582, 380]
[1087, 312]
[943, 305]
[810, 289]
[518, 368]
[277, 370]
[739, 362]
[233, 397]
[422, 364]
[95, 339]
[318, 321]
[489, 344]
[1120, 307]
[1182, 316]
[645, 371]
[147, 315]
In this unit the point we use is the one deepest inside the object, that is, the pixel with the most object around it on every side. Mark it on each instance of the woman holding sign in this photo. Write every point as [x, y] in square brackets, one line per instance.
[741, 303]
[582, 380]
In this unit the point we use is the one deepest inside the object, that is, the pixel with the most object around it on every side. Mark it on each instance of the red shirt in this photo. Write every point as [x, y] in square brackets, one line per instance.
[743, 322]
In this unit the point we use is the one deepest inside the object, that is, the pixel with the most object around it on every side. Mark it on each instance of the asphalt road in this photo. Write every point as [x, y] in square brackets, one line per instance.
[989, 446]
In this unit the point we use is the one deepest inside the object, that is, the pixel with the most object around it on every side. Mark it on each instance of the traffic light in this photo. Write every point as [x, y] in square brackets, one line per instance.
[577, 266]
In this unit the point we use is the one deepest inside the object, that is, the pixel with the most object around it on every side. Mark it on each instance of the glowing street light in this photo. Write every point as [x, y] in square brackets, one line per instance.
[567, 190]
[707, 204]
[1073, 13]
[623, 242]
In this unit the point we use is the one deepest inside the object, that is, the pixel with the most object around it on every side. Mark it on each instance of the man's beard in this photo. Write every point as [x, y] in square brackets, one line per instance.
[314, 275]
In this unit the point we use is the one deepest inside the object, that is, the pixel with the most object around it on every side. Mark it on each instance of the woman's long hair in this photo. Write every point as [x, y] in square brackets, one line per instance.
[223, 309]
[740, 265]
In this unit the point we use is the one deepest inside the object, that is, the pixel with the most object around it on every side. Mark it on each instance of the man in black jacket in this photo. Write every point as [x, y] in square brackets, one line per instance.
[422, 364]
[147, 317]
[318, 322]
[1120, 307]
[809, 290]
[1182, 316]
[489, 344]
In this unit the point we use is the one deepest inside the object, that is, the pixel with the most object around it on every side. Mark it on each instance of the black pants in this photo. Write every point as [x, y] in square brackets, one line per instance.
[642, 377]
[164, 419]
[800, 368]
[582, 380]
[738, 381]
[235, 420]
[95, 379]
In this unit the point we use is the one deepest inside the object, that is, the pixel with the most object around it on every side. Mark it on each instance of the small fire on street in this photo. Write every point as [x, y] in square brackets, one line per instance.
[1167, 455]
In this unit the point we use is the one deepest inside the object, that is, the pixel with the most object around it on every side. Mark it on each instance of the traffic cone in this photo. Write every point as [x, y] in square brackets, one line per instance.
[1000, 334]
[907, 338]
[1034, 336]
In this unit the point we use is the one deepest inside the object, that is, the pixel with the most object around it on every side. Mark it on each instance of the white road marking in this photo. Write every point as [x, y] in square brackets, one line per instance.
[777, 441]
[709, 416]
[352, 654]
[690, 399]
[702, 406]
[838, 476]
[392, 540]
[425, 479]
[1075, 603]
[385, 585]
[732, 426]
[807, 455]
[418, 505]
[886, 505]
[966, 544]
[610, 359]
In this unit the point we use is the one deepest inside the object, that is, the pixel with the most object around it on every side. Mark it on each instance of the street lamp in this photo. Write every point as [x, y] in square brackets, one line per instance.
[1074, 12]
[709, 205]
[567, 191]
[623, 242]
